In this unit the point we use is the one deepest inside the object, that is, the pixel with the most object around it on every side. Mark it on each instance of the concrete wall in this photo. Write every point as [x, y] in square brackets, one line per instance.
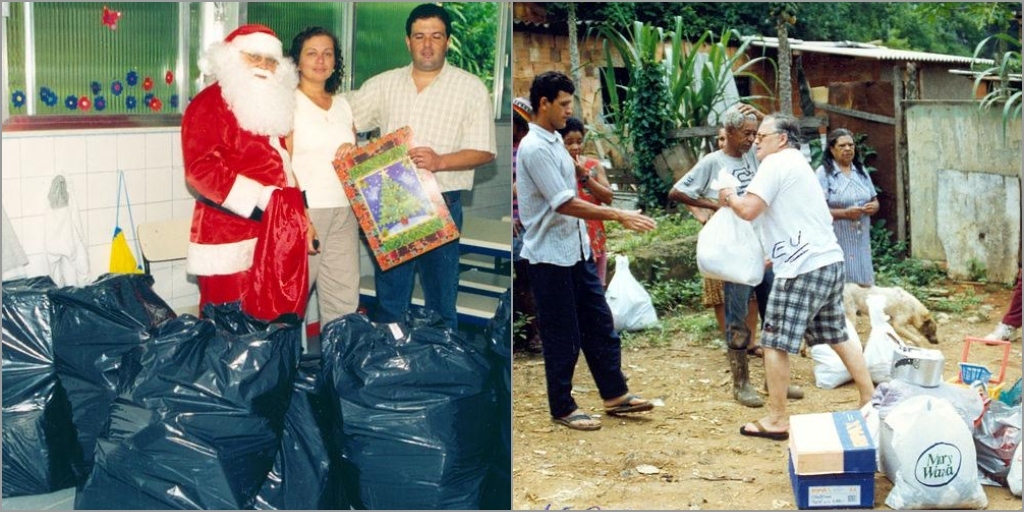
[151, 160]
[965, 194]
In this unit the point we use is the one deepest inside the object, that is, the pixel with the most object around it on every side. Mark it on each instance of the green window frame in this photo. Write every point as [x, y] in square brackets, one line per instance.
[80, 65]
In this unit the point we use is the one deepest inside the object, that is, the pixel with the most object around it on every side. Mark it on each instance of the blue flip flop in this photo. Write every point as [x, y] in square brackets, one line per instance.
[573, 421]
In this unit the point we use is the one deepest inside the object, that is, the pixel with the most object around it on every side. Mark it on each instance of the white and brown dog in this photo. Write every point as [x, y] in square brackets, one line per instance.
[908, 317]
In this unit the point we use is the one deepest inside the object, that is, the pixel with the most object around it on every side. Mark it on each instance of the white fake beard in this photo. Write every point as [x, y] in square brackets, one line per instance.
[264, 106]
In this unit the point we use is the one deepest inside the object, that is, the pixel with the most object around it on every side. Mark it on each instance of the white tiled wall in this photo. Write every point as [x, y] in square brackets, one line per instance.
[151, 161]
[89, 160]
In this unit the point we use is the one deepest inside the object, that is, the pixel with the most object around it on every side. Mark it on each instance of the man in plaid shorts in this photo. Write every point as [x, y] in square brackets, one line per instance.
[807, 294]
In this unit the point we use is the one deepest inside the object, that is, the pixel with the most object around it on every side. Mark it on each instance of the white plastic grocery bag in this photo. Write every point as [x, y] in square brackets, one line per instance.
[632, 309]
[729, 249]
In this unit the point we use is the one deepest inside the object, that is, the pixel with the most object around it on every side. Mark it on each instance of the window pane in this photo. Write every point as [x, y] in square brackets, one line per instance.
[15, 46]
[86, 63]
[379, 38]
[289, 18]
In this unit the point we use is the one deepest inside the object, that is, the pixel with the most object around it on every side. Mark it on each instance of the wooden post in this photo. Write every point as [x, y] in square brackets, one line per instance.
[902, 179]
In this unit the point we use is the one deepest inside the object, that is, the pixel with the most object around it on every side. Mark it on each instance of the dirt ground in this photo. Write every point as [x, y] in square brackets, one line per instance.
[702, 462]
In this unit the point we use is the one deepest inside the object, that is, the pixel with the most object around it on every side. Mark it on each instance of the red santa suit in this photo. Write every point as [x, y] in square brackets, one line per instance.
[234, 171]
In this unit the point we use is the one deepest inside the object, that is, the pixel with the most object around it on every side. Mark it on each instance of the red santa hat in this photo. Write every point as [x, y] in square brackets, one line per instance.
[257, 39]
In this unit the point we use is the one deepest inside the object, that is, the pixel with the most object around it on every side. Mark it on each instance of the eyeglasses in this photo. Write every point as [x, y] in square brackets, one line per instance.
[759, 136]
[255, 60]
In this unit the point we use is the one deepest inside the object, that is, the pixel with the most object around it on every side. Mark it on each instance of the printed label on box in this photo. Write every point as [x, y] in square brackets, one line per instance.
[833, 496]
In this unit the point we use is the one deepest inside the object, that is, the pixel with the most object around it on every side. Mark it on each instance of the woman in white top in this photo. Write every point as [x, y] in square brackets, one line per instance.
[323, 131]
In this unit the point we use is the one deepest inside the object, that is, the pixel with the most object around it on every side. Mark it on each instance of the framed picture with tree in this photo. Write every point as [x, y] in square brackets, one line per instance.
[400, 209]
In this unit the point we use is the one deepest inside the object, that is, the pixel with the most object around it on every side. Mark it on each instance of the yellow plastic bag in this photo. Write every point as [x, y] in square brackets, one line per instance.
[122, 261]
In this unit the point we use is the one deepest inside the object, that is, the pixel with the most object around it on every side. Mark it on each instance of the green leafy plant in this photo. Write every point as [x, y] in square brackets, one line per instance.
[1007, 65]
[641, 118]
[680, 90]
[474, 32]
[892, 265]
[699, 75]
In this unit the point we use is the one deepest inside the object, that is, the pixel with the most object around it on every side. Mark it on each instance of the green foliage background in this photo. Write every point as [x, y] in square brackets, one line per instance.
[941, 27]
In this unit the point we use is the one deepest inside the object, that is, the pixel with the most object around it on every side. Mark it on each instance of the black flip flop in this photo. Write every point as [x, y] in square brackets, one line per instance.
[762, 432]
[627, 407]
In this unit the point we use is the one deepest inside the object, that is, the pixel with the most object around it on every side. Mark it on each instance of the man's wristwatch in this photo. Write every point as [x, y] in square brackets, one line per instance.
[584, 179]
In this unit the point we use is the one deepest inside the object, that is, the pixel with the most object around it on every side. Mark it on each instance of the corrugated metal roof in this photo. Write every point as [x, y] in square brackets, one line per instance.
[863, 50]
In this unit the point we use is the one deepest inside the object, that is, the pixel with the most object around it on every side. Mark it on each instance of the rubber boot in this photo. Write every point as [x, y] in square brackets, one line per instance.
[793, 392]
[742, 391]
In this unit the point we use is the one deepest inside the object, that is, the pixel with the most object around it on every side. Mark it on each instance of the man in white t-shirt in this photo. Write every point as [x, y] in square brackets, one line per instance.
[807, 292]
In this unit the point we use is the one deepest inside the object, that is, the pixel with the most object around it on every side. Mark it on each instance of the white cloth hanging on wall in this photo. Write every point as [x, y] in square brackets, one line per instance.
[13, 254]
[66, 252]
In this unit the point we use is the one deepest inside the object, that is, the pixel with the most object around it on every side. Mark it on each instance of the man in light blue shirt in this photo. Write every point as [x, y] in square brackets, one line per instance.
[572, 312]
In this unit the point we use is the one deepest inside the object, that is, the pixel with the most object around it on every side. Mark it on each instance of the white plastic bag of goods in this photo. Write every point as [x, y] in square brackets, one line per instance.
[632, 309]
[881, 346]
[929, 455]
[729, 249]
[829, 370]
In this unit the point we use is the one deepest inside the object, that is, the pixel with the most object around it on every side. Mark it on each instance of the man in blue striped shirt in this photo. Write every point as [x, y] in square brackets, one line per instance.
[571, 308]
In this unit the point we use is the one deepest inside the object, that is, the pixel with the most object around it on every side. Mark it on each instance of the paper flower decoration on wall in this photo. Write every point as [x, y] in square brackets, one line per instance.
[48, 96]
[110, 18]
[18, 99]
[71, 102]
[155, 105]
[132, 78]
[147, 83]
[100, 103]
[147, 99]
[174, 101]
[96, 88]
[129, 102]
[116, 88]
[84, 103]
[169, 78]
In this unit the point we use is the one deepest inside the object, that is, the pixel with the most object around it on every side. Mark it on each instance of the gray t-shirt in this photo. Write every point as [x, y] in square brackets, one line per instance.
[696, 182]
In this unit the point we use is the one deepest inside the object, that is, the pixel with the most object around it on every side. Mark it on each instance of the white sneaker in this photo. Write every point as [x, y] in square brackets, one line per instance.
[1002, 332]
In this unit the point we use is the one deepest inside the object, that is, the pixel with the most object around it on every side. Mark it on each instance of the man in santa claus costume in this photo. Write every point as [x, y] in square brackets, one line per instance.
[236, 162]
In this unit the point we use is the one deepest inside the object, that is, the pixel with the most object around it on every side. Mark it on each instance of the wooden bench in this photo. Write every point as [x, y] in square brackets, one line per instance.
[471, 308]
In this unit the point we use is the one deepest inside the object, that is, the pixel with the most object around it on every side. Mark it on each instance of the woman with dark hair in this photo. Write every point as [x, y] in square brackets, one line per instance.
[852, 200]
[324, 131]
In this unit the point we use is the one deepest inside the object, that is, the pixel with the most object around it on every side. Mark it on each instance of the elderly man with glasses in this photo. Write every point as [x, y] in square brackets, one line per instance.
[737, 157]
[807, 293]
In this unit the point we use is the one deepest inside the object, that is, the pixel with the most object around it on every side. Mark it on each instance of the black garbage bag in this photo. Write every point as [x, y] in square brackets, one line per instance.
[38, 436]
[198, 416]
[498, 486]
[415, 416]
[299, 478]
[93, 326]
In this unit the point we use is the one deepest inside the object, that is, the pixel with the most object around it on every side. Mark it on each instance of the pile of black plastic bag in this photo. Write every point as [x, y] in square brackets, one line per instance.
[142, 409]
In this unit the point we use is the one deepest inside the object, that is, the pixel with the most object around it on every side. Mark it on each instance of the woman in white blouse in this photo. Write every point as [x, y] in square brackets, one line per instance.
[323, 131]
